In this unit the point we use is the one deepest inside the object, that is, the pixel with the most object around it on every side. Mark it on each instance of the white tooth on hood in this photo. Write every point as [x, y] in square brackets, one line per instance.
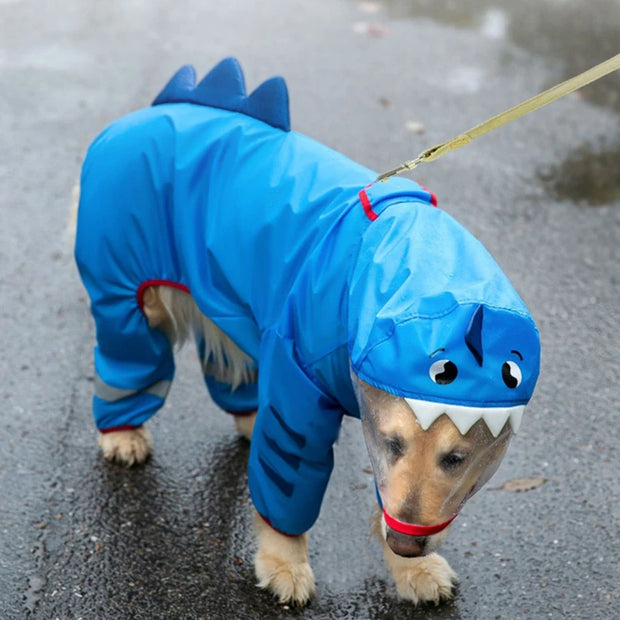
[495, 420]
[515, 418]
[464, 417]
[425, 411]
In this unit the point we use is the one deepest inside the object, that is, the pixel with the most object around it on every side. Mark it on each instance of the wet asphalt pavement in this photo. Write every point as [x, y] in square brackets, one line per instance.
[380, 82]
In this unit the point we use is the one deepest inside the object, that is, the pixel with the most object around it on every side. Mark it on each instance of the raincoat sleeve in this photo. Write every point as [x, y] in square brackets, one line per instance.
[291, 455]
[242, 399]
[134, 366]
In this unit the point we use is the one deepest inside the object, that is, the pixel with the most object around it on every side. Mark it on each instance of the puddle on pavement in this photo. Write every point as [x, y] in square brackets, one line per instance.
[580, 34]
[588, 176]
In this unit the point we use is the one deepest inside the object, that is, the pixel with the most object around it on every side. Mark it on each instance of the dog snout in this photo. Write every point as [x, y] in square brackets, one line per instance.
[405, 545]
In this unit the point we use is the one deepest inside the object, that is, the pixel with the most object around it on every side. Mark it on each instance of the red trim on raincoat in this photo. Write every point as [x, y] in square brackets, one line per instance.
[122, 427]
[147, 283]
[372, 216]
[275, 528]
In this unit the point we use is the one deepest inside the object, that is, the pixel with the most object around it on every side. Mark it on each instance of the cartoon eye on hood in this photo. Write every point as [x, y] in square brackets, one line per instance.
[443, 372]
[511, 374]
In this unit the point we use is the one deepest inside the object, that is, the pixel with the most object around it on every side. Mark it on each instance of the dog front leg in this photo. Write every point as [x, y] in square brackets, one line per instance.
[281, 564]
[425, 579]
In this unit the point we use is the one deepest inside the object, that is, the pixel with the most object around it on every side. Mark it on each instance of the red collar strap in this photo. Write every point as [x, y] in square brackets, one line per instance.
[415, 530]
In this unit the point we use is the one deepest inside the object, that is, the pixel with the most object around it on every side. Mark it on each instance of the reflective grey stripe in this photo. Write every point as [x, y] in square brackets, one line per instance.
[112, 394]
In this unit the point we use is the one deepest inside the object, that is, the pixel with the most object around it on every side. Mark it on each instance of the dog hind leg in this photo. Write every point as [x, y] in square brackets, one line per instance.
[282, 566]
[133, 446]
[244, 424]
[222, 361]
[128, 447]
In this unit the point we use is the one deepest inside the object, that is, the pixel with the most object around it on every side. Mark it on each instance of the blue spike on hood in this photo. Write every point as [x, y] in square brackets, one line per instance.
[224, 87]
[473, 335]
[268, 102]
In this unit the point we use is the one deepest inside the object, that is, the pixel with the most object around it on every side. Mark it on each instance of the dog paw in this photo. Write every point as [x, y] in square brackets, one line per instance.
[244, 424]
[428, 579]
[290, 582]
[128, 447]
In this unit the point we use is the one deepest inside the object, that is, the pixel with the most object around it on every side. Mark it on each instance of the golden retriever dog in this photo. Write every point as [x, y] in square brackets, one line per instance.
[313, 292]
[282, 562]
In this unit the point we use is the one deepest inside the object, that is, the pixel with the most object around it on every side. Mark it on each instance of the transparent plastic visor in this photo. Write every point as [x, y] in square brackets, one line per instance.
[429, 458]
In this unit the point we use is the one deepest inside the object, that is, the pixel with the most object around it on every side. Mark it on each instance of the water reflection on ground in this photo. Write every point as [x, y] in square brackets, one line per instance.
[580, 34]
[588, 175]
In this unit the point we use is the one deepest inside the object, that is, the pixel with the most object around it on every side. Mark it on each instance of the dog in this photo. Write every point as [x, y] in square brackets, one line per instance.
[312, 292]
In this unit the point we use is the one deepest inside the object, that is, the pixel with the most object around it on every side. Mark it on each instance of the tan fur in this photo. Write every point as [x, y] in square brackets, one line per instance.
[176, 313]
[155, 311]
[130, 447]
[281, 564]
[428, 579]
[244, 424]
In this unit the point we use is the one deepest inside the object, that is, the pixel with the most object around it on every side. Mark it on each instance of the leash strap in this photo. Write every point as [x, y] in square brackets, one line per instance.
[534, 103]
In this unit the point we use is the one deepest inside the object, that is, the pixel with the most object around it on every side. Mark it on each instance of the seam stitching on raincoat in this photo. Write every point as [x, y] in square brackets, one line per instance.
[310, 376]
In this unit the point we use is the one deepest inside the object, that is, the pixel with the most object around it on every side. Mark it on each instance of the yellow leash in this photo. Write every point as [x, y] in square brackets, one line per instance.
[534, 103]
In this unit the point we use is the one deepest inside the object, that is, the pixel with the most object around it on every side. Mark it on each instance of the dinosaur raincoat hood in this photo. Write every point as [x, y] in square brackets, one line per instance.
[447, 334]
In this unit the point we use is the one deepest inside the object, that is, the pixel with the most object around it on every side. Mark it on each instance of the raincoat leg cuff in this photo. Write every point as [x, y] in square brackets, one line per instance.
[122, 427]
[266, 520]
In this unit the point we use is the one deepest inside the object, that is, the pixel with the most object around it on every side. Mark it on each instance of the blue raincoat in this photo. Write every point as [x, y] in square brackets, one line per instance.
[293, 252]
